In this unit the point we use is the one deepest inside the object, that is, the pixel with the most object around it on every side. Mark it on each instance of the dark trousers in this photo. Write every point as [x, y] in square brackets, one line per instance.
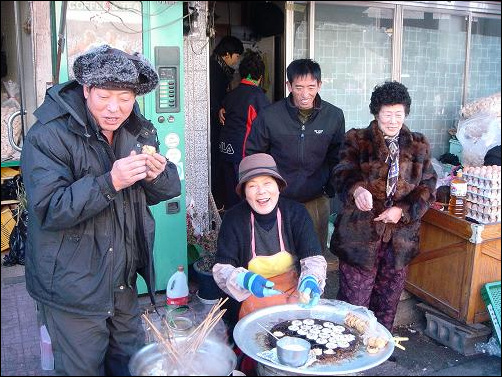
[216, 184]
[96, 345]
[229, 178]
[319, 211]
[379, 289]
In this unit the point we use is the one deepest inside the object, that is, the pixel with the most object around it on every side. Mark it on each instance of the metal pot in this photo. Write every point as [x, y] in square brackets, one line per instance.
[213, 358]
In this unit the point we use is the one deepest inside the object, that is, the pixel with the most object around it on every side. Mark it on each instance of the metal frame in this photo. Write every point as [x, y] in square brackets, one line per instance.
[469, 9]
[487, 7]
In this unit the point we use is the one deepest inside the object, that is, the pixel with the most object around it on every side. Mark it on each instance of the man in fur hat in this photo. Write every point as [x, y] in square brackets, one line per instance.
[88, 183]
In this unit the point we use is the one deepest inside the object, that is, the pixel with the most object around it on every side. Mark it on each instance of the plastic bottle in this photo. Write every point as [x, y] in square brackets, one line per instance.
[458, 193]
[46, 355]
[177, 288]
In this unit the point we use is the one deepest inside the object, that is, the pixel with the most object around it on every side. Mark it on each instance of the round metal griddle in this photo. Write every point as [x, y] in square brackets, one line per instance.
[251, 338]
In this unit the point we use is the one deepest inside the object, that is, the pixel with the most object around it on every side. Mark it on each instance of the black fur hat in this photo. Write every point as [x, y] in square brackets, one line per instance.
[110, 68]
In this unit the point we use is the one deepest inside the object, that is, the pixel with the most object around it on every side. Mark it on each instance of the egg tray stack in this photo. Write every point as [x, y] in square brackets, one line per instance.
[483, 193]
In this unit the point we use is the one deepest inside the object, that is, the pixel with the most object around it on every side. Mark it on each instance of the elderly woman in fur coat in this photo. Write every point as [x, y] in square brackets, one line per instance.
[386, 182]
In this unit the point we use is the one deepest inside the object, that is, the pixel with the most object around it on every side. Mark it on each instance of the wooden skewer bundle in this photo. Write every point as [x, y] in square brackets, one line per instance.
[197, 337]
[167, 345]
[191, 344]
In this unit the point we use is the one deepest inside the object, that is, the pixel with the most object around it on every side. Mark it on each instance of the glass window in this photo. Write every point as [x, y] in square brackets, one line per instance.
[433, 65]
[353, 45]
[118, 24]
[484, 66]
[89, 23]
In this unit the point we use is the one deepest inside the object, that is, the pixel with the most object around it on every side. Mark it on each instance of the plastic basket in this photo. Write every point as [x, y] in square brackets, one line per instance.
[8, 223]
[491, 296]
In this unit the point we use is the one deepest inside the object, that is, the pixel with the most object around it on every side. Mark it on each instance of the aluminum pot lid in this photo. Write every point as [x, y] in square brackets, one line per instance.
[251, 337]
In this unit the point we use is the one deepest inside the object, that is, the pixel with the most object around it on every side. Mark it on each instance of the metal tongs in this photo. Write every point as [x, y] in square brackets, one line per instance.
[264, 328]
[398, 339]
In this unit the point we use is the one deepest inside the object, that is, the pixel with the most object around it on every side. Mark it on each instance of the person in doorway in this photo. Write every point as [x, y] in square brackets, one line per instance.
[88, 185]
[240, 108]
[268, 252]
[386, 183]
[222, 63]
[303, 133]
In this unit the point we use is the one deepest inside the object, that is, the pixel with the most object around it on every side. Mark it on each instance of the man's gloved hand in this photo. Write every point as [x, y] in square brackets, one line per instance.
[309, 289]
[257, 284]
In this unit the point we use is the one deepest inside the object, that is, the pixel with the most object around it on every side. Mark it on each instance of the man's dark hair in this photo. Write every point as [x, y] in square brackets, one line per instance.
[229, 44]
[390, 93]
[303, 67]
[252, 64]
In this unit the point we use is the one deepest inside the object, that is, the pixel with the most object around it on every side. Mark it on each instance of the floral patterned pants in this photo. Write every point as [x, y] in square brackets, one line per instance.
[378, 289]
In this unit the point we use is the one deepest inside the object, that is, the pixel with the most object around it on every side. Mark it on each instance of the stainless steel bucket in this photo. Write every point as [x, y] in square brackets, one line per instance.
[213, 358]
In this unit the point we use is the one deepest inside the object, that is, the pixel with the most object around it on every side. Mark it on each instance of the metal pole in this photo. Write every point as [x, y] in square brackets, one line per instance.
[20, 65]
[61, 40]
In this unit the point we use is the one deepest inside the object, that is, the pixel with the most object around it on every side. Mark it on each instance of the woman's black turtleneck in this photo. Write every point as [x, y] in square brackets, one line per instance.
[234, 239]
[266, 221]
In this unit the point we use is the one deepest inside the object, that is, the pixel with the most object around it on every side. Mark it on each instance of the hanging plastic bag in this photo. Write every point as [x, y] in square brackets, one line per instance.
[478, 134]
[17, 241]
[10, 105]
[9, 188]
[17, 238]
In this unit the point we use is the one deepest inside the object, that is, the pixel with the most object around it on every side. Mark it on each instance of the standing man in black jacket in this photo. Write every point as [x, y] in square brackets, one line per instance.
[89, 180]
[303, 133]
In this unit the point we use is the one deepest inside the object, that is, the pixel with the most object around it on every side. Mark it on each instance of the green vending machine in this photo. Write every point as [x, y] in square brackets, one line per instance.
[154, 28]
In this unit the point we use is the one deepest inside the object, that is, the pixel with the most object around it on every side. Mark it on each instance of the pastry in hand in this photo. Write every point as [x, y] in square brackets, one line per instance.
[148, 149]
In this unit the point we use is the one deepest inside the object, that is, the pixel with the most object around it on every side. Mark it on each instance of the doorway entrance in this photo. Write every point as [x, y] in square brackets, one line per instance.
[260, 26]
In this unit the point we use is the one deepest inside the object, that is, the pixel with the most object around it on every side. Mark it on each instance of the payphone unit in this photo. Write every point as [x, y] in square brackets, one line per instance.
[167, 60]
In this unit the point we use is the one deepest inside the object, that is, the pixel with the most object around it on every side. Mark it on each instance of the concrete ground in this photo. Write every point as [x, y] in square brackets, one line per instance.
[20, 347]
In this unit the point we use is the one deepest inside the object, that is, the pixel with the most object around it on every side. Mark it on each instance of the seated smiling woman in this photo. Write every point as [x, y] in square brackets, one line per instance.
[268, 252]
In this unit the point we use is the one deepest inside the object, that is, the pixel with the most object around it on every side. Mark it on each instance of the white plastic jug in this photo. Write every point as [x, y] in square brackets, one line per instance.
[177, 288]
[46, 356]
